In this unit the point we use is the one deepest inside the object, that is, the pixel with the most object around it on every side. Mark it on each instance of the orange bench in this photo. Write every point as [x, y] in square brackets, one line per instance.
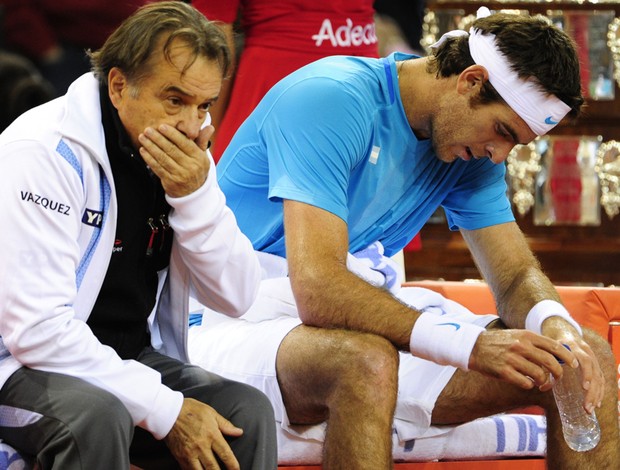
[593, 307]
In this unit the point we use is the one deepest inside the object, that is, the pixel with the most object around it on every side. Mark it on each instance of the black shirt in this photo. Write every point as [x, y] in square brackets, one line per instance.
[141, 248]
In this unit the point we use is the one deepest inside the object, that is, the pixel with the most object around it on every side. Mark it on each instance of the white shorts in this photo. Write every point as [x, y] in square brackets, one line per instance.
[245, 350]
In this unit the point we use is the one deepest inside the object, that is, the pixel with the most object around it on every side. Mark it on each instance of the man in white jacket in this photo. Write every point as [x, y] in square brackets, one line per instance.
[111, 213]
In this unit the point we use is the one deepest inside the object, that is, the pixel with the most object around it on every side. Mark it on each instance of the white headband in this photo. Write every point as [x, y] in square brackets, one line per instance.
[541, 111]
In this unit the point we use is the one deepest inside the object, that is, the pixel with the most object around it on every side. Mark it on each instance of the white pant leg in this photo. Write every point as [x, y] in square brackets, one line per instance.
[245, 350]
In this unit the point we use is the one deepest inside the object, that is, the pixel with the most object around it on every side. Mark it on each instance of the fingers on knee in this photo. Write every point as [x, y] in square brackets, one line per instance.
[600, 346]
[602, 350]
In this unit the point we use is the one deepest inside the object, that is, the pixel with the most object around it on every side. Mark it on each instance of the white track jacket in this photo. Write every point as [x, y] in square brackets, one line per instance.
[57, 228]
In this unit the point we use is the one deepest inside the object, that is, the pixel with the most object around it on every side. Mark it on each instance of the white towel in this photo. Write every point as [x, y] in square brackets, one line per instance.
[11, 460]
[494, 437]
[375, 268]
[370, 264]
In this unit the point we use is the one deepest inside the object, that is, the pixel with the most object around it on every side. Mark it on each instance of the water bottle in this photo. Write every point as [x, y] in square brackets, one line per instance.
[581, 429]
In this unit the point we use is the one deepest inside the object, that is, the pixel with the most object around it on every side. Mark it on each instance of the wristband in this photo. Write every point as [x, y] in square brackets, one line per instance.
[445, 342]
[545, 309]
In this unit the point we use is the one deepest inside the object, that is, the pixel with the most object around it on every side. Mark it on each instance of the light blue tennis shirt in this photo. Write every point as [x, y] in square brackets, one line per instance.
[334, 135]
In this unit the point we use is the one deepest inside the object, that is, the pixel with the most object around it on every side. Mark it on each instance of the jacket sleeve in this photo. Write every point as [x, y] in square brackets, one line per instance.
[42, 200]
[224, 268]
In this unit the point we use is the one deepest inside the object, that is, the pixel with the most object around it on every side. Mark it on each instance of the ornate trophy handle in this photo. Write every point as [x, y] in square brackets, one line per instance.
[608, 170]
[523, 164]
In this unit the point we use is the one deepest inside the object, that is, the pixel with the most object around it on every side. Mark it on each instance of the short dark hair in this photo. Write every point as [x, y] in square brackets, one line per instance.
[535, 49]
[131, 45]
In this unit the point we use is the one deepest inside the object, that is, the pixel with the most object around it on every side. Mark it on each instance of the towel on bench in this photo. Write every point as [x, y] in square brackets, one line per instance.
[494, 437]
[10, 459]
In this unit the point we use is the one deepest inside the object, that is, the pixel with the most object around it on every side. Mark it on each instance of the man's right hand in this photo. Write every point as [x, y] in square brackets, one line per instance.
[197, 437]
[520, 357]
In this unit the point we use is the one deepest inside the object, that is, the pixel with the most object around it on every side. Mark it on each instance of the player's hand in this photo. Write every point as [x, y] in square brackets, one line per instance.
[197, 437]
[520, 357]
[592, 375]
[180, 163]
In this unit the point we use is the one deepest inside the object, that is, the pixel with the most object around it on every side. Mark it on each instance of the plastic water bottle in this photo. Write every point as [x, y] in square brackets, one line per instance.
[581, 429]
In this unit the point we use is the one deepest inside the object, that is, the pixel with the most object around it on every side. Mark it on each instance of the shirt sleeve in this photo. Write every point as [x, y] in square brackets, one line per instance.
[479, 199]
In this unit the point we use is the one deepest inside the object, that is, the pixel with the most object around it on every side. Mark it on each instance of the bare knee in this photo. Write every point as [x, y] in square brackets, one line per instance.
[321, 370]
[365, 375]
[601, 348]
[370, 359]
[339, 354]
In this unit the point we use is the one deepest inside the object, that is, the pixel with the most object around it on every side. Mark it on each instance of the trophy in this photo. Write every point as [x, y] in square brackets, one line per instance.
[608, 171]
[522, 166]
[567, 185]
